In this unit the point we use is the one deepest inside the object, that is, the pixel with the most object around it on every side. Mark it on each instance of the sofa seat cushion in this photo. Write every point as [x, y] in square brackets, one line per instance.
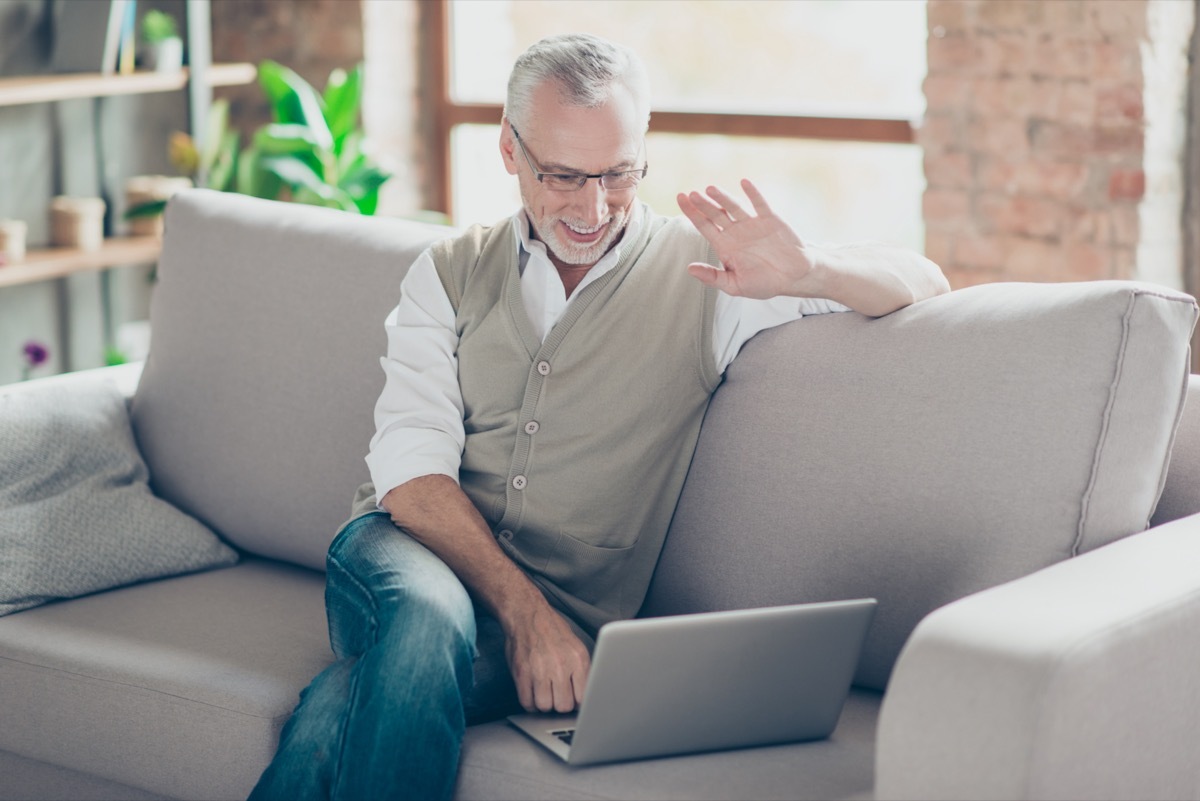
[957, 444]
[499, 762]
[178, 687]
[32, 780]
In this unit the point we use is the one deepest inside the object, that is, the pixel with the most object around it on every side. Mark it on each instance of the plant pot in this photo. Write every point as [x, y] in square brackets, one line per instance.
[140, 189]
[165, 56]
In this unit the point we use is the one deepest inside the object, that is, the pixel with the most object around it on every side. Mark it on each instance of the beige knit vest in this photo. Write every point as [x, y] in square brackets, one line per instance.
[577, 447]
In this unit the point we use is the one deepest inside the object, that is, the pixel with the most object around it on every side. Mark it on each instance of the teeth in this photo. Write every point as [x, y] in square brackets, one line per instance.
[585, 231]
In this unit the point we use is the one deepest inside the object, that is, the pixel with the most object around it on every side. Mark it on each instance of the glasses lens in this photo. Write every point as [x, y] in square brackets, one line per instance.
[561, 183]
[613, 181]
[616, 181]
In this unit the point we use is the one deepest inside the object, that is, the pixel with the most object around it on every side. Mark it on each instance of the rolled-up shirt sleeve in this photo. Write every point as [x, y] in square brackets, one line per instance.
[419, 414]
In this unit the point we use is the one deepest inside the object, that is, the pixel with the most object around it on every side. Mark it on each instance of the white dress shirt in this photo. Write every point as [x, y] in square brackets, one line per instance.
[419, 415]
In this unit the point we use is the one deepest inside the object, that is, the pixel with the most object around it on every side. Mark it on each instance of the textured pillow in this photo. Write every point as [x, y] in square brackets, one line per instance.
[954, 445]
[76, 512]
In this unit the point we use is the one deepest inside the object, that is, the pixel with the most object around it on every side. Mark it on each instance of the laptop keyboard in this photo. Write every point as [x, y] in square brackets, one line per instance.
[564, 734]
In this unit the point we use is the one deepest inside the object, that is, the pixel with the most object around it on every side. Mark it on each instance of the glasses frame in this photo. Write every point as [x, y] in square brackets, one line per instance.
[578, 179]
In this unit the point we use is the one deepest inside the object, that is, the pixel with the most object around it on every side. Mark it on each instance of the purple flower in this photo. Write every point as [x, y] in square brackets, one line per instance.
[36, 353]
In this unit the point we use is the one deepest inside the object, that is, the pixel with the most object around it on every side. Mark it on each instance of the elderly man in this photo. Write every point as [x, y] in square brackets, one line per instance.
[545, 382]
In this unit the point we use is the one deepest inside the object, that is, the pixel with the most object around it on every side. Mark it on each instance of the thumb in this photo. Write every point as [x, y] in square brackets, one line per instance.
[707, 274]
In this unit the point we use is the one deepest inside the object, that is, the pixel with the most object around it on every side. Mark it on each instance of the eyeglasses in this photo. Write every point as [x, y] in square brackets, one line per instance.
[574, 181]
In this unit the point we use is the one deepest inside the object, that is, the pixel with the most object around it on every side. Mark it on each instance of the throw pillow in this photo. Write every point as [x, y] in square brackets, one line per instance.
[76, 511]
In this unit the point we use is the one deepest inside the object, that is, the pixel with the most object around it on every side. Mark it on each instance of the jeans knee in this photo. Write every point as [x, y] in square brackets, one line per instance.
[380, 582]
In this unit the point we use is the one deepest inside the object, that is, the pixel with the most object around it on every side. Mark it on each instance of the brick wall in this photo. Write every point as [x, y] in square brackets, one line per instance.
[1035, 138]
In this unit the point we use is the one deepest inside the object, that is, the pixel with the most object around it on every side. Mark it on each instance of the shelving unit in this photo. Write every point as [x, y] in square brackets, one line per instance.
[45, 263]
[23, 90]
[55, 265]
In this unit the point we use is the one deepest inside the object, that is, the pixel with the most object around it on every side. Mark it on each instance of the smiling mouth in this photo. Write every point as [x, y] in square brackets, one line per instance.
[582, 234]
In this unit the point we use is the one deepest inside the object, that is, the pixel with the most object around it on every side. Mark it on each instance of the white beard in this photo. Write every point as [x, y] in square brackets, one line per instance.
[573, 253]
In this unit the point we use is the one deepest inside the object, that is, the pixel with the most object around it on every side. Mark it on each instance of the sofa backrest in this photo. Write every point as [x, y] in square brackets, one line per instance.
[254, 410]
[1181, 494]
[954, 445]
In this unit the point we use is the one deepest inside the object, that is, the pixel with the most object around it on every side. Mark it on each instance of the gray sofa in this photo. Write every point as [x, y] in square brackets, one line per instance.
[984, 463]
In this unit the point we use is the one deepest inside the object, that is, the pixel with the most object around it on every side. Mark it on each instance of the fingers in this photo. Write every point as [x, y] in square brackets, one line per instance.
[716, 210]
[579, 683]
[694, 212]
[761, 207]
[558, 694]
[550, 667]
[719, 214]
[543, 695]
[730, 206]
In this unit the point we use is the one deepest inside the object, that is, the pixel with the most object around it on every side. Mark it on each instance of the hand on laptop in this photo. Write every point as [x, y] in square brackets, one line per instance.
[549, 664]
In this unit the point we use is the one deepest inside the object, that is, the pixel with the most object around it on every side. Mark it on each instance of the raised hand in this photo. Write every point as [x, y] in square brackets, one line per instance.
[761, 256]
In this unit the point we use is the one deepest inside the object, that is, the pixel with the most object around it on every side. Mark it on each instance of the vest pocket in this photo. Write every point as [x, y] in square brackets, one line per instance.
[591, 573]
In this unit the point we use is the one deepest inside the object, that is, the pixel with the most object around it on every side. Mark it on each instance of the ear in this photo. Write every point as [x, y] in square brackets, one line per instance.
[508, 147]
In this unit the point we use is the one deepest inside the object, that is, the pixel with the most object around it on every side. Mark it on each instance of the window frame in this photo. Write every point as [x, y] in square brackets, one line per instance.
[449, 114]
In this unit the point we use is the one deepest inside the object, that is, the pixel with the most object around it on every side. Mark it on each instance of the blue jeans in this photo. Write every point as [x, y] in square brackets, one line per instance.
[415, 664]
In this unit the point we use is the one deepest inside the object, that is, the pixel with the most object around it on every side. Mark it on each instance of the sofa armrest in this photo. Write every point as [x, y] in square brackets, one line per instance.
[124, 376]
[1077, 681]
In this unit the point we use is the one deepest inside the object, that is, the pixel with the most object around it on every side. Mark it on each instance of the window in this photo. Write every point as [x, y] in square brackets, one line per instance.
[812, 99]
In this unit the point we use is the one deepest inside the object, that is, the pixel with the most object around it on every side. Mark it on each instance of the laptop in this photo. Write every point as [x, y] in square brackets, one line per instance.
[710, 681]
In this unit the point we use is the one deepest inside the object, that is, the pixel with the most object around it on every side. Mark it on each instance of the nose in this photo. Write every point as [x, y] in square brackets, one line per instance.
[591, 201]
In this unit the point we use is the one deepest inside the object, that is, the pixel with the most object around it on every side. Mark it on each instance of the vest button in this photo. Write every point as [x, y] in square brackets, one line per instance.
[532, 427]
[506, 535]
[520, 482]
[543, 367]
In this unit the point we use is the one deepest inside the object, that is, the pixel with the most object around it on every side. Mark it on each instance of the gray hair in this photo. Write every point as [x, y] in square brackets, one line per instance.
[585, 67]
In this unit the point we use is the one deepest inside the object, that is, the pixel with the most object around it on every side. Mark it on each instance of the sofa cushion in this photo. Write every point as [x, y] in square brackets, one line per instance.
[177, 687]
[76, 511]
[254, 410]
[499, 762]
[954, 445]
[1181, 493]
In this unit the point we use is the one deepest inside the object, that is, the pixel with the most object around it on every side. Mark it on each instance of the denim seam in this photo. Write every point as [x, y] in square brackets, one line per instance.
[364, 592]
[335, 769]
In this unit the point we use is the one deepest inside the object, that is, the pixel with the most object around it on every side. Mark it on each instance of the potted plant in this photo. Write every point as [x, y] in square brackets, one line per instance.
[314, 152]
[164, 48]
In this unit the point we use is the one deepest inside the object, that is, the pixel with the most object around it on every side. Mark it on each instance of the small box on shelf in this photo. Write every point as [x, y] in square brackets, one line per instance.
[77, 222]
[12, 241]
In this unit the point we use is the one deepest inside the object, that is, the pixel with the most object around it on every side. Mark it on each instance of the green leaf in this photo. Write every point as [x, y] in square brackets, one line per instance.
[367, 204]
[295, 101]
[362, 181]
[343, 95]
[429, 216]
[151, 208]
[114, 356]
[299, 175]
[224, 167]
[285, 138]
[285, 105]
[350, 153]
[158, 26]
[215, 132]
[253, 178]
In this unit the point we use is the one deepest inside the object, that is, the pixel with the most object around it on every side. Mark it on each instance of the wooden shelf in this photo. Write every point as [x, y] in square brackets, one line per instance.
[46, 263]
[47, 88]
